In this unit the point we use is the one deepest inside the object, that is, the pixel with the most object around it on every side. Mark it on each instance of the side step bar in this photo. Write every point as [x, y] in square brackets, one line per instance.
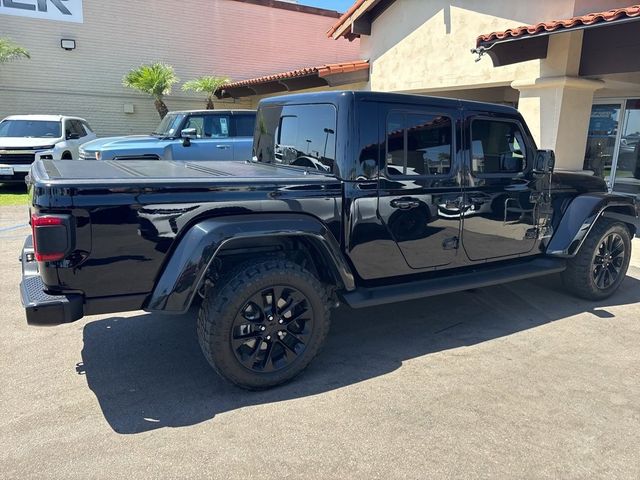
[481, 277]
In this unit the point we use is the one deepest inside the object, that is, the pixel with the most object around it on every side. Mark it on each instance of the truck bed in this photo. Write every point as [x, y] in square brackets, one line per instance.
[135, 172]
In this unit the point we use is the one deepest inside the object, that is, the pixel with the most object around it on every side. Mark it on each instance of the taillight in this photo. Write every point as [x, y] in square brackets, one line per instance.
[51, 236]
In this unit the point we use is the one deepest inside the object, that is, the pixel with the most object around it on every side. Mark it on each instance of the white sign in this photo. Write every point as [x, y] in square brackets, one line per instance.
[63, 10]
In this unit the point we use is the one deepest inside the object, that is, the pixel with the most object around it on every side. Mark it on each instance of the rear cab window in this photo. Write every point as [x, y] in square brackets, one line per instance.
[301, 136]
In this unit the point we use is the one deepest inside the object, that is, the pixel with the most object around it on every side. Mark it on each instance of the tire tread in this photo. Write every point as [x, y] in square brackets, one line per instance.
[222, 300]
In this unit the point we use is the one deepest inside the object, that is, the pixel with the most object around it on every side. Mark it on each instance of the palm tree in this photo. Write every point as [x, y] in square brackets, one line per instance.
[206, 84]
[155, 80]
[11, 51]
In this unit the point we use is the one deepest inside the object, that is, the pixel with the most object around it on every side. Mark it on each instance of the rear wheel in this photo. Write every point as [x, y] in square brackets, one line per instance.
[601, 264]
[67, 156]
[264, 323]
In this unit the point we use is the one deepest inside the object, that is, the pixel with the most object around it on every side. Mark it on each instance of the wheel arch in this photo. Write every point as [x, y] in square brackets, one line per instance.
[581, 215]
[211, 239]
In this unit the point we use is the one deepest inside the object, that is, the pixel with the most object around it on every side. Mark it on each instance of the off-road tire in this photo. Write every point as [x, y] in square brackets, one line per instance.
[579, 279]
[222, 303]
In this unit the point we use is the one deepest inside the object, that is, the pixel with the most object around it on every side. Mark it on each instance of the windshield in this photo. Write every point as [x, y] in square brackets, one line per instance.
[169, 125]
[297, 135]
[30, 128]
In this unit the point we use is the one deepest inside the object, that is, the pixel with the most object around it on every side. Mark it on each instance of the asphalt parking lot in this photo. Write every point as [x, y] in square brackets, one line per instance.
[513, 381]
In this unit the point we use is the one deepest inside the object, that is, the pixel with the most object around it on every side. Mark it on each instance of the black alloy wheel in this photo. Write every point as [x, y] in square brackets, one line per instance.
[601, 263]
[261, 324]
[608, 261]
[272, 329]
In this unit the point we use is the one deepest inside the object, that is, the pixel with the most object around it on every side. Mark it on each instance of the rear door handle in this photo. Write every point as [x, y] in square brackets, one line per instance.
[405, 203]
[223, 147]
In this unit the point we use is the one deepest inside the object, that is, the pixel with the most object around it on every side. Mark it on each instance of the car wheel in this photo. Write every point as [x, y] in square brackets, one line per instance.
[66, 156]
[263, 324]
[601, 264]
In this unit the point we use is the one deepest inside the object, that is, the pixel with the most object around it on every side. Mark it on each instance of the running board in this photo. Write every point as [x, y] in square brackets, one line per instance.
[481, 277]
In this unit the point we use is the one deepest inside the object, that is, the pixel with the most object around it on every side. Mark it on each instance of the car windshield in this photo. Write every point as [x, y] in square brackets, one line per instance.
[169, 125]
[30, 128]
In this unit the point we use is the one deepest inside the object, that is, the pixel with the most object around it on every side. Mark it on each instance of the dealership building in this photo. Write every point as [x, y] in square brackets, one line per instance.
[572, 68]
[81, 49]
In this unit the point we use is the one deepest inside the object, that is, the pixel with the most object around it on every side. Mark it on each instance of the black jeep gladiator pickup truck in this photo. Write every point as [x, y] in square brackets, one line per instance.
[355, 197]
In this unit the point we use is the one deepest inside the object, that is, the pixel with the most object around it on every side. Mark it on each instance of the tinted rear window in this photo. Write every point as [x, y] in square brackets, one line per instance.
[299, 135]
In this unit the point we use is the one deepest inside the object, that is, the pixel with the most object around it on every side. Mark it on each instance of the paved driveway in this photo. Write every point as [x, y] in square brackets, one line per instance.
[514, 381]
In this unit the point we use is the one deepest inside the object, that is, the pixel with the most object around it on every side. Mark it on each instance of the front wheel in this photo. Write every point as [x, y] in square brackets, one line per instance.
[601, 264]
[263, 324]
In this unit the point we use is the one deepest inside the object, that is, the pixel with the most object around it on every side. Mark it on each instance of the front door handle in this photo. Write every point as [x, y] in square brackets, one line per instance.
[405, 203]
[223, 147]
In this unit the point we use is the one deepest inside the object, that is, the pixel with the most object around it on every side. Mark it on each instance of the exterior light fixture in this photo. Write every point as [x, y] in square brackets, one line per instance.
[68, 44]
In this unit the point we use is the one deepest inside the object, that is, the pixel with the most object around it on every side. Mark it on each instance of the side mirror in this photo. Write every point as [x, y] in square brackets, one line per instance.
[73, 136]
[545, 161]
[187, 135]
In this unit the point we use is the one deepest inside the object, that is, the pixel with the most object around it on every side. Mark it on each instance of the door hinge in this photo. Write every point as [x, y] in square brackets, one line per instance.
[531, 234]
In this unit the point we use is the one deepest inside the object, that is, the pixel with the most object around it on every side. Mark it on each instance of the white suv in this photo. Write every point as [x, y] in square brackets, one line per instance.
[25, 138]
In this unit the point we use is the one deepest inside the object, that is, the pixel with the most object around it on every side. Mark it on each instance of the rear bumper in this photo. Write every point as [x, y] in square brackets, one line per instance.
[13, 173]
[40, 307]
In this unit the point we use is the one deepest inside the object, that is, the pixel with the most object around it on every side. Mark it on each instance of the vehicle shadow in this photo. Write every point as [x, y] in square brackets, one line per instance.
[147, 371]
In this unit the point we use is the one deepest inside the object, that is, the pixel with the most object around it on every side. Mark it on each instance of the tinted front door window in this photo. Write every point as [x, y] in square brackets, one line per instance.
[500, 214]
[498, 148]
[212, 140]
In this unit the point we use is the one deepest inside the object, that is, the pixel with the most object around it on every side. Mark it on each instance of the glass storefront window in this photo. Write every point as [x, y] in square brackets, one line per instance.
[613, 144]
[627, 172]
[601, 139]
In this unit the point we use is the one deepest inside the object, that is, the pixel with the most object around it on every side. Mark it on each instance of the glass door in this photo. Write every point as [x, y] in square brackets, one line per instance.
[602, 138]
[626, 173]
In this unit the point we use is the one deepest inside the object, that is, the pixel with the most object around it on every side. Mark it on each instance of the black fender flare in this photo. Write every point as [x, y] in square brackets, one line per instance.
[186, 268]
[582, 214]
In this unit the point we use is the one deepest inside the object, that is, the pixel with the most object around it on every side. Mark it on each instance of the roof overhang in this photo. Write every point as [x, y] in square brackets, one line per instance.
[357, 20]
[531, 42]
[332, 75]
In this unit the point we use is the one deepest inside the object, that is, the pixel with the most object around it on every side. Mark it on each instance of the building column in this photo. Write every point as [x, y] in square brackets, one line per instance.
[557, 111]
[557, 105]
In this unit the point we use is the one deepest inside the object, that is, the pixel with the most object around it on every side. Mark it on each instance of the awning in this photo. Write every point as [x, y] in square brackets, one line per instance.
[528, 42]
[334, 74]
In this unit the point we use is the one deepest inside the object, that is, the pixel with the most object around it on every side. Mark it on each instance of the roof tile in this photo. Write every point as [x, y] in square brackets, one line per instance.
[321, 71]
[553, 25]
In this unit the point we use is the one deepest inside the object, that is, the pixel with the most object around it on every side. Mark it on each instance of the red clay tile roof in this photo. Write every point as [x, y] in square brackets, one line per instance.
[345, 16]
[552, 26]
[321, 71]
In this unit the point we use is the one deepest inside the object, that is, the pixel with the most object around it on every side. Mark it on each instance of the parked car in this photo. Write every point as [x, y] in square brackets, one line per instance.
[192, 135]
[267, 248]
[23, 138]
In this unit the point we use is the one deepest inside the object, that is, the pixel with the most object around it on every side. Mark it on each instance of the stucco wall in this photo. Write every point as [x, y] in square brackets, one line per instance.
[198, 37]
[417, 45]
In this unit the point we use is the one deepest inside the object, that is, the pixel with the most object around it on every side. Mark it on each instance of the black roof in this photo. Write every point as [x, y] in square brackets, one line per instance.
[340, 96]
